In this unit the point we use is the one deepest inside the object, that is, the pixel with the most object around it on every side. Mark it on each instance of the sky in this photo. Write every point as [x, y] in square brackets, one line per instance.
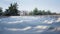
[29, 5]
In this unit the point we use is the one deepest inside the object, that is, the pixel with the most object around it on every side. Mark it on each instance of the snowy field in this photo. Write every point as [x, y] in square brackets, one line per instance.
[30, 25]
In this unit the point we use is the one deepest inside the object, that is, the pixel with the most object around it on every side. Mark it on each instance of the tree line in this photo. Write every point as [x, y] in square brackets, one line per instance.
[13, 11]
[42, 12]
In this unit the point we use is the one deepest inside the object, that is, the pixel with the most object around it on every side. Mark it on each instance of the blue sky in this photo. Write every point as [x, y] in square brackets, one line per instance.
[52, 5]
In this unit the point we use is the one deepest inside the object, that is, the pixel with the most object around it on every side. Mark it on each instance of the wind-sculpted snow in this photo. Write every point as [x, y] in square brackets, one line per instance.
[30, 25]
[17, 29]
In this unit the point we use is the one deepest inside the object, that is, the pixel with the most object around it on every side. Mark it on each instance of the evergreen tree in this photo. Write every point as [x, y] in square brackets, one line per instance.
[1, 11]
[12, 10]
[35, 11]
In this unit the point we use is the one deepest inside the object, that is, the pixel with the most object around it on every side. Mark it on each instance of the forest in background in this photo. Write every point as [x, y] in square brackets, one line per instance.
[13, 11]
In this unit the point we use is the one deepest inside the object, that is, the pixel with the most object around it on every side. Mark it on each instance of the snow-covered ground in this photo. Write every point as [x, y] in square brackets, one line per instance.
[30, 25]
